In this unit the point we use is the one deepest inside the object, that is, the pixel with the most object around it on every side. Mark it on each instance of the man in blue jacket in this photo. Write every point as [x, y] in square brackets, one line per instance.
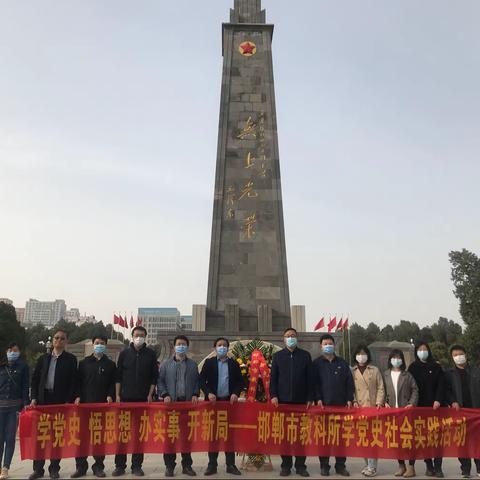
[289, 383]
[334, 386]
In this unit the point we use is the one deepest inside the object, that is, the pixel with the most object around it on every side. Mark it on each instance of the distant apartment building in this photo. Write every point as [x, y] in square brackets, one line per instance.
[46, 313]
[187, 323]
[20, 315]
[160, 319]
[72, 315]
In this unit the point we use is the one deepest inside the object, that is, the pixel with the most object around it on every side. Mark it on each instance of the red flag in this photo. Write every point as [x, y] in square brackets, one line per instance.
[345, 324]
[139, 321]
[122, 322]
[320, 324]
[340, 325]
[332, 323]
[115, 320]
[131, 321]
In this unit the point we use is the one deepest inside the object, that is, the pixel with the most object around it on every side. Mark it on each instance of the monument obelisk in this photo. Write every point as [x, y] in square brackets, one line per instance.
[248, 281]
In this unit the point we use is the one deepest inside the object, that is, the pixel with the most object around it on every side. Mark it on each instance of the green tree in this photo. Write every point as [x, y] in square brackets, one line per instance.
[387, 334]
[446, 331]
[466, 281]
[406, 331]
[10, 328]
[372, 333]
[440, 353]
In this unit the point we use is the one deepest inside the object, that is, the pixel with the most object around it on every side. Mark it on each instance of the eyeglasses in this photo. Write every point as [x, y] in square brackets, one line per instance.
[59, 338]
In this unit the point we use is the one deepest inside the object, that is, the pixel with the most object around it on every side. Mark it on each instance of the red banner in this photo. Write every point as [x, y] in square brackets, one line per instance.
[61, 431]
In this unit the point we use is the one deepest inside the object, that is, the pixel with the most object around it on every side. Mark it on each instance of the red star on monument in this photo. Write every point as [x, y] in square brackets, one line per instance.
[248, 48]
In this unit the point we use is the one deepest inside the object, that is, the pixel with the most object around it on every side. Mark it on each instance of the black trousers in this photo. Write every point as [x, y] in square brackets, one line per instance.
[82, 464]
[213, 456]
[466, 465]
[287, 463]
[38, 465]
[170, 460]
[339, 462]
[434, 464]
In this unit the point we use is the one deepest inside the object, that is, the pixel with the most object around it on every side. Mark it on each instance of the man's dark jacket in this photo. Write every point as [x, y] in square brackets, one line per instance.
[65, 379]
[209, 377]
[291, 376]
[333, 381]
[454, 385]
[137, 370]
[96, 379]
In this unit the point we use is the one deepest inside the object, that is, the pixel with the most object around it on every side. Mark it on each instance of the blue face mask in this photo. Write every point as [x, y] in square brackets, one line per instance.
[222, 351]
[99, 349]
[291, 342]
[396, 362]
[13, 356]
[328, 349]
[181, 349]
[422, 354]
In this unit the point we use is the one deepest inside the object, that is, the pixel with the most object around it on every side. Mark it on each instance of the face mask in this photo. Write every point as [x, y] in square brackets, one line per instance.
[13, 356]
[99, 349]
[181, 349]
[138, 341]
[460, 359]
[328, 349]
[362, 359]
[222, 351]
[422, 354]
[291, 342]
[396, 362]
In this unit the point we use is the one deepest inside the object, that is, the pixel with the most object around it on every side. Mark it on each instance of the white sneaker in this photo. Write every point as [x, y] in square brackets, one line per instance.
[4, 473]
[364, 470]
[371, 472]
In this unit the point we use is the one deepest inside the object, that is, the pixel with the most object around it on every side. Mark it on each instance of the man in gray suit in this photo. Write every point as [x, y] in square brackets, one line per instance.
[178, 381]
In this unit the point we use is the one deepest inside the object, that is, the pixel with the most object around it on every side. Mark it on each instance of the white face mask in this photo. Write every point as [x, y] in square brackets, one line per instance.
[138, 341]
[460, 359]
[362, 359]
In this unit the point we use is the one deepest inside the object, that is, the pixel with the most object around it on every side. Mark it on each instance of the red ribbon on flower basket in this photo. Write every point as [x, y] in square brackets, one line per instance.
[258, 368]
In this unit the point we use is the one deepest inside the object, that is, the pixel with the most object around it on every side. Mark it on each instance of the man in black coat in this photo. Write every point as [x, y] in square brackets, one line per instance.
[137, 373]
[290, 383]
[221, 379]
[334, 386]
[463, 391]
[53, 382]
[95, 384]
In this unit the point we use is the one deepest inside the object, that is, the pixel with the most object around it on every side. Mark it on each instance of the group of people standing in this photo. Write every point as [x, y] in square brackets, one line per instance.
[329, 381]
[295, 379]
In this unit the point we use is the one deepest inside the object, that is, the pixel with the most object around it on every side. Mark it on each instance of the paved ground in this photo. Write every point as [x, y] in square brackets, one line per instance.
[154, 468]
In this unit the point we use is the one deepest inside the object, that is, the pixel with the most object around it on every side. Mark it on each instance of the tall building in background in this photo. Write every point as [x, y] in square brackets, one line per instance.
[20, 315]
[46, 313]
[186, 323]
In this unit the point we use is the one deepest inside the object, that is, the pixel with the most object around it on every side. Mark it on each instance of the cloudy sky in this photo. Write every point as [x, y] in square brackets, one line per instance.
[108, 132]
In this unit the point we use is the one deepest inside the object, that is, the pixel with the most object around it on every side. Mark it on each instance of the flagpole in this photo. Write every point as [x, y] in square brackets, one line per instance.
[111, 333]
[349, 343]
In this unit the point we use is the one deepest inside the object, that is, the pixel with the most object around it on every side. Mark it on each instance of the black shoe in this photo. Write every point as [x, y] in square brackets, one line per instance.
[118, 472]
[54, 475]
[189, 471]
[429, 472]
[100, 473]
[210, 471]
[303, 472]
[36, 475]
[233, 470]
[78, 474]
[343, 472]
[138, 472]
[285, 472]
[324, 471]
[169, 472]
[439, 474]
